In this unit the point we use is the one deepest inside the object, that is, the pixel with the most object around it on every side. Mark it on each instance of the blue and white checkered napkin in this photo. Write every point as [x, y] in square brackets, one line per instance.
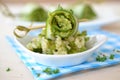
[112, 43]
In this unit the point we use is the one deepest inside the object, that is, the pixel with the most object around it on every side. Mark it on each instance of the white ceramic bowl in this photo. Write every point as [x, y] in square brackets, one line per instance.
[64, 60]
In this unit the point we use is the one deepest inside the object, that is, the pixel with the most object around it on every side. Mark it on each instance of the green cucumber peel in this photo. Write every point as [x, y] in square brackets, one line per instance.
[61, 22]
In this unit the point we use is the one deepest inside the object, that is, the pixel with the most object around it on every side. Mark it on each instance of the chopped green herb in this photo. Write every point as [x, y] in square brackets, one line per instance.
[101, 58]
[38, 74]
[112, 56]
[55, 71]
[98, 58]
[50, 71]
[8, 69]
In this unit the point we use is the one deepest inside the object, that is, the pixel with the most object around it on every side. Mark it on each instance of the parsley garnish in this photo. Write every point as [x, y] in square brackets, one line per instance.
[8, 69]
[112, 56]
[55, 71]
[101, 58]
[50, 71]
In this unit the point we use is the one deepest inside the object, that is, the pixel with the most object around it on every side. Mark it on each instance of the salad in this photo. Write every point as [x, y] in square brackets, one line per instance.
[33, 12]
[84, 11]
[60, 35]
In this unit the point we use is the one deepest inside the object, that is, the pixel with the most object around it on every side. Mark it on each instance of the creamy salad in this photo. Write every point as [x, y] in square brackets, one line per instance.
[60, 36]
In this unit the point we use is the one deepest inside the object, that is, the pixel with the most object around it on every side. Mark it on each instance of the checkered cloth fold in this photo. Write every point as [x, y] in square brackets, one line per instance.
[36, 68]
